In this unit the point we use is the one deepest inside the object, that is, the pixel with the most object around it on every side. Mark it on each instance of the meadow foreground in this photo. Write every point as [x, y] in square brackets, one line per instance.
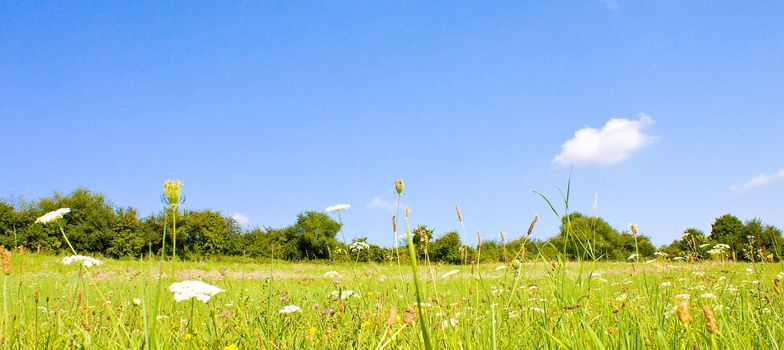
[552, 305]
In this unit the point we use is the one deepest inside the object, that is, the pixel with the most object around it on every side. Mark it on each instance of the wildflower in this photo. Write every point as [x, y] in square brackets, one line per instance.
[678, 258]
[708, 296]
[698, 273]
[172, 189]
[449, 273]
[399, 186]
[52, 215]
[288, 309]
[137, 301]
[632, 257]
[704, 245]
[683, 296]
[536, 309]
[332, 274]
[86, 261]
[661, 254]
[452, 322]
[358, 246]
[665, 284]
[199, 290]
[499, 268]
[621, 298]
[337, 208]
[231, 347]
[634, 229]
[343, 295]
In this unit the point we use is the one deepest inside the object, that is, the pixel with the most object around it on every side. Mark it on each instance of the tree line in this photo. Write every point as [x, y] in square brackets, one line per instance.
[96, 227]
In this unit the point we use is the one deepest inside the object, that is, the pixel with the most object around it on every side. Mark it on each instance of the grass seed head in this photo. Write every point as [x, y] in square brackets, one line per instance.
[682, 310]
[5, 260]
[533, 223]
[459, 215]
[634, 229]
[710, 320]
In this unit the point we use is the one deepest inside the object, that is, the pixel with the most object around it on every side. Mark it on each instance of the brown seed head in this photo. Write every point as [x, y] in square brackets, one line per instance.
[392, 319]
[710, 320]
[682, 310]
[533, 223]
[634, 229]
[36, 297]
[408, 212]
[399, 186]
[410, 315]
[479, 239]
[459, 215]
[502, 236]
[5, 260]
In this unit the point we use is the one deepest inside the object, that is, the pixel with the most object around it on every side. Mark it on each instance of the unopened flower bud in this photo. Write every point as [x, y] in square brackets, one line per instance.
[399, 186]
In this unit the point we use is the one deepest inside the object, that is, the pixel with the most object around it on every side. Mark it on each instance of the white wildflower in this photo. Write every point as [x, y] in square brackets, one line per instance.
[199, 290]
[137, 301]
[52, 215]
[536, 309]
[621, 298]
[358, 246]
[665, 284]
[678, 258]
[288, 309]
[499, 268]
[337, 208]
[661, 254]
[332, 274]
[698, 273]
[86, 261]
[343, 295]
[452, 322]
[632, 257]
[683, 296]
[449, 273]
[749, 270]
[708, 296]
[704, 245]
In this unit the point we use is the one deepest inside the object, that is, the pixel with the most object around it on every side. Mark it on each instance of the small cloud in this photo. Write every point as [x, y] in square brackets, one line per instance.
[611, 5]
[379, 202]
[240, 219]
[614, 142]
[759, 180]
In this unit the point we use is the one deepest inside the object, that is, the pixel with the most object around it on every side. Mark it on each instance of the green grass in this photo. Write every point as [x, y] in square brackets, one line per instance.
[555, 306]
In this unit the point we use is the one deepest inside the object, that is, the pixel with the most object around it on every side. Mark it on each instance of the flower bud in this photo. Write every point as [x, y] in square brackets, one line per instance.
[172, 190]
[399, 186]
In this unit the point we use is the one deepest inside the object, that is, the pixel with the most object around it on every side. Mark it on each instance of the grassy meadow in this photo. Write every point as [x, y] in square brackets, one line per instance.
[538, 304]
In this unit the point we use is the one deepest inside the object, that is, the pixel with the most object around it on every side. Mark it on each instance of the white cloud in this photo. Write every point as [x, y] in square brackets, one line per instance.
[240, 219]
[759, 180]
[614, 142]
[379, 202]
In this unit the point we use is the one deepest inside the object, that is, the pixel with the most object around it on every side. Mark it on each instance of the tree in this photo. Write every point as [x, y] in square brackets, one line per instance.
[446, 249]
[729, 230]
[313, 235]
[130, 238]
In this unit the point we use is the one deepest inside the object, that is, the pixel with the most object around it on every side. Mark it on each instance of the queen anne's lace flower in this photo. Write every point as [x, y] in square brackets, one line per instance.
[86, 261]
[333, 274]
[337, 208]
[358, 246]
[199, 290]
[288, 309]
[52, 215]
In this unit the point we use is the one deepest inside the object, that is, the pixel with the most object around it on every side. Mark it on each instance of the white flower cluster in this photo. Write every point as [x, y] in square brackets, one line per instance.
[333, 274]
[289, 309]
[343, 295]
[719, 249]
[661, 254]
[337, 208]
[52, 215]
[187, 290]
[86, 261]
[358, 246]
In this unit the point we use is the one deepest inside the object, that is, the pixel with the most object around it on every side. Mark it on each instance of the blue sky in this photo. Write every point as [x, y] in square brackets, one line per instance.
[269, 109]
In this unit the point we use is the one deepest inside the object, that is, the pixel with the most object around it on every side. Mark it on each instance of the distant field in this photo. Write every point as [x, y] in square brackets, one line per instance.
[545, 305]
